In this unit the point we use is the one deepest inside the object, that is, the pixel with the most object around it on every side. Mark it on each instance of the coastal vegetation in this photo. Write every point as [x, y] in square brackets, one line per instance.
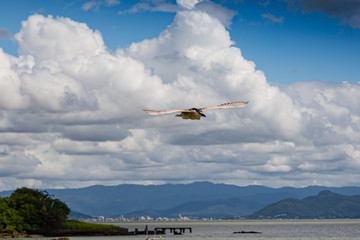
[78, 225]
[31, 211]
[78, 228]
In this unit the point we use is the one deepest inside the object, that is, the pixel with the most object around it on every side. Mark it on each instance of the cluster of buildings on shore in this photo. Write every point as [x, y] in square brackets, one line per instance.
[140, 219]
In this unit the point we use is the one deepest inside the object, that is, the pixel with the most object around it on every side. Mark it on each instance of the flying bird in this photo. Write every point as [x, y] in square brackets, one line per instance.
[196, 113]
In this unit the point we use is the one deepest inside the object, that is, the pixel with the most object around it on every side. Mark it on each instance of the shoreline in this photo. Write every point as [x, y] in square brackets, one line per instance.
[89, 232]
[63, 234]
[20, 235]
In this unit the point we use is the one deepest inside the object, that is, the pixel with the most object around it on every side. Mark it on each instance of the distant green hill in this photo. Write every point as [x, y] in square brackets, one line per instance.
[231, 207]
[325, 205]
[77, 215]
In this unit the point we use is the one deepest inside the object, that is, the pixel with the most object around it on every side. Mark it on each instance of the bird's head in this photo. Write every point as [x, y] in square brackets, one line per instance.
[199, 111]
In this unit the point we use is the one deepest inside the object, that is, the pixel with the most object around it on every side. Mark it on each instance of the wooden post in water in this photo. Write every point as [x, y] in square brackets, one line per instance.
[174, 230]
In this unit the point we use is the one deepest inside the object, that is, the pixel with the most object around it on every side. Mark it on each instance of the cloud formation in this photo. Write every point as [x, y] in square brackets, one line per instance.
[70, 111]
[96, 4]
[272, 18]
[346, 10]
[4, 33]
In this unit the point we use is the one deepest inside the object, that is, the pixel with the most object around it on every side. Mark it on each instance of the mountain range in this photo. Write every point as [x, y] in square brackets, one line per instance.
[200, 199]
[324, 205]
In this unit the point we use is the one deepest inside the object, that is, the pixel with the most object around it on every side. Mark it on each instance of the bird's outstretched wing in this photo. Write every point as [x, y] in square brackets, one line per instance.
[159, 112]
[224, 105]
[227, 105]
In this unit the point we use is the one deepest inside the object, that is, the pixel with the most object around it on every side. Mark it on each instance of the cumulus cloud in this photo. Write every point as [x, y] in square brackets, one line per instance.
[58, 34]
[188, 4]
[70, 111]
[223, 14]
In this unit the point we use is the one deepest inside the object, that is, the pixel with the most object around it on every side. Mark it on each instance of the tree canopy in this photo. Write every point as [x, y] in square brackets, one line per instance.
[31, 211]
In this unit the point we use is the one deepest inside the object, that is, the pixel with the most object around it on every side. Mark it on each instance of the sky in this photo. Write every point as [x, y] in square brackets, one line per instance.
[76, 74]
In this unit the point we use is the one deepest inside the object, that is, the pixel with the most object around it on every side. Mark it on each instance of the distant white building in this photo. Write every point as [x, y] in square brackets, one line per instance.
[181, 218]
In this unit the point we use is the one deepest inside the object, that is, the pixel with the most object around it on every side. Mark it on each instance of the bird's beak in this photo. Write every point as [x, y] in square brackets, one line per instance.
[203, 115]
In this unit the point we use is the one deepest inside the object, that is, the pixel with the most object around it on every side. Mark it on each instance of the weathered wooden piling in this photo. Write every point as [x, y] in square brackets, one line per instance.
[174, 230]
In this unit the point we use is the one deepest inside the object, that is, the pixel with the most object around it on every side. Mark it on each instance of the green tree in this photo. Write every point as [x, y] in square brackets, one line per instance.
[39, 211]
[10, 220]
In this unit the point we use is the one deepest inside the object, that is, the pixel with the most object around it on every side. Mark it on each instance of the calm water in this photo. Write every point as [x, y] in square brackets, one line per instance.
[285, 229]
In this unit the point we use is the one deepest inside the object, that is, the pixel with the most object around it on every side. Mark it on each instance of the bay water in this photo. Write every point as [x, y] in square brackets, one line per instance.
[344, 229]
[270, 229]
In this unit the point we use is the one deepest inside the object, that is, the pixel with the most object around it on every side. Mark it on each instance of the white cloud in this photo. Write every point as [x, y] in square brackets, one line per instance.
[151, 6]
[223, 14]
[88, 5]
[272, 18]
[188, 4]
[71, 112]
[97, 4]
[11, 96]
[58, 39]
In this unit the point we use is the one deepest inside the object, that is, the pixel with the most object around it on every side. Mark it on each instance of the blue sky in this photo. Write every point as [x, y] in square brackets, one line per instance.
[288, 41]
[75, 76]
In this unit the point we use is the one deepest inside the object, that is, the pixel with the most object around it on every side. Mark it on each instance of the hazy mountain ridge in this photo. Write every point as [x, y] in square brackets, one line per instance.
[324, 205]
[130, 199]
[231, 207]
